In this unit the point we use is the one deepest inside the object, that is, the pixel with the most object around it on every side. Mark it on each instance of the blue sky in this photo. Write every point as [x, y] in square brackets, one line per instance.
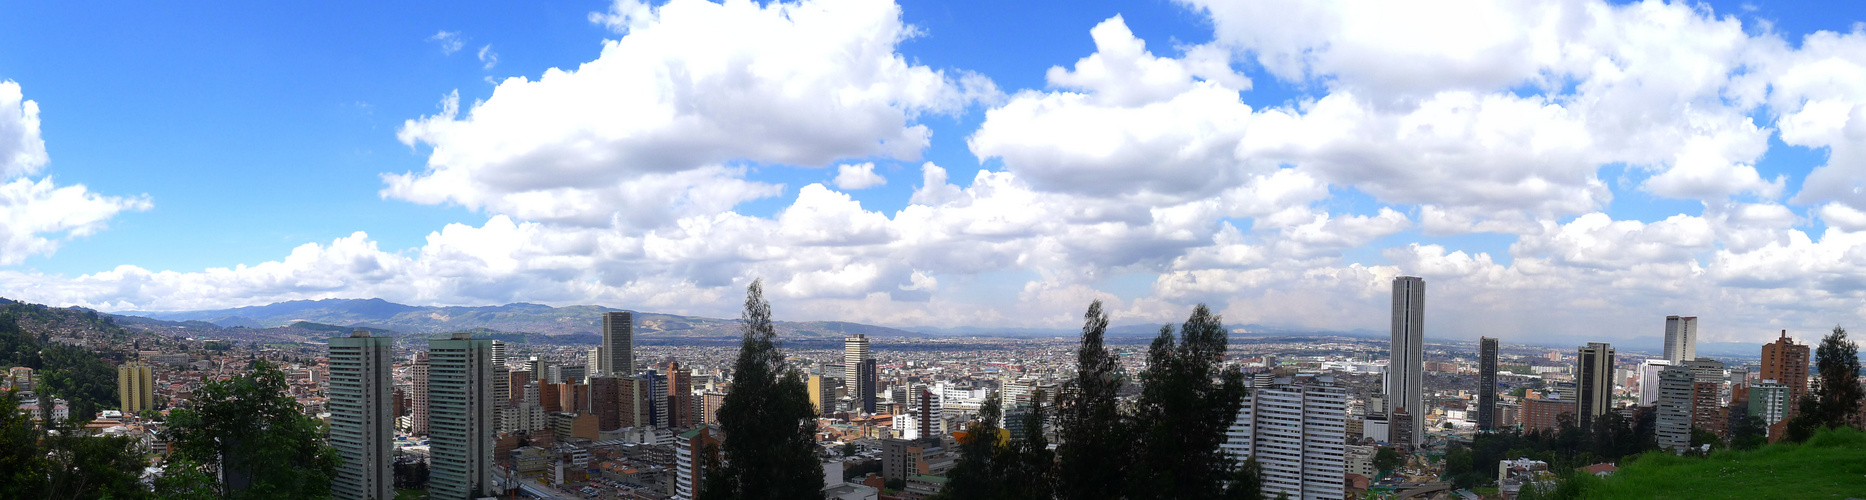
[1521, 158]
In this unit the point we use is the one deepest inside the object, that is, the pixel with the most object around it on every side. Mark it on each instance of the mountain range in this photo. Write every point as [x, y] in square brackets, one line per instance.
[518, 318]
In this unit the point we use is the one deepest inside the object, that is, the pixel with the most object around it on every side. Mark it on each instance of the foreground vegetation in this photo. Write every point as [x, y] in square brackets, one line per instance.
[1830, 465]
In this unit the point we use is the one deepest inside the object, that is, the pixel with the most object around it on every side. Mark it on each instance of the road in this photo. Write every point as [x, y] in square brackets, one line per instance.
[1424, 489]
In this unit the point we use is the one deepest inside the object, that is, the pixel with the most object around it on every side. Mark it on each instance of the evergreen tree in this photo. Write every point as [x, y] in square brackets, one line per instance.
[979, 472]
[1835, 401]
[1838, 362]
[22, 464]
[1246, 481]
[1094, 453]
[256, 436]
[64, 463]
[1033, 465]
[1187, 402]
[769, 425]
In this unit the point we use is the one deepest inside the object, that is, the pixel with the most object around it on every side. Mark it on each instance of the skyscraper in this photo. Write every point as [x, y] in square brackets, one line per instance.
[1406, 371]
[501, 390]
[460, 418]
[1673, 422]
[619, 342]
[822, 394]
[654, 397]
[418, 420]
[362, 426]
[1486, 384]
[679, 396]
[930, 413]
[1681, 338]
[595, 361]
[854, 350]
[1297, 430]
[135, 387]
[1649, 380]
[1593, 373]
[865, 398]
[1786, 362]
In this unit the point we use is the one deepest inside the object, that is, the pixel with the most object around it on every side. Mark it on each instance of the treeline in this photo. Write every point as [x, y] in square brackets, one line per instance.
[241, 438]
[83, 378]
[1165, 445]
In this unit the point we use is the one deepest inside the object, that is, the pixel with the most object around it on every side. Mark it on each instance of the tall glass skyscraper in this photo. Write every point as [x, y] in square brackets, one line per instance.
[1486, 384]
[618, 347]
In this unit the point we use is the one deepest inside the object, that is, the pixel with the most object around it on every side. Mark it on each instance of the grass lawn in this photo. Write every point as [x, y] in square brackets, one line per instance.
[1832, 465]
[411, 494]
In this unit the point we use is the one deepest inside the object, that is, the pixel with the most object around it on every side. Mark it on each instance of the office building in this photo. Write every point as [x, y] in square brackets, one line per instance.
[362, 422]
[1681, 338]
[1406, 371]
[1768, 401]
[822, 394]
[604, 402]
[679, 396]
[1540, 414]
[573, 374]
[418, 416]
[931, 414]
[460, 417]
[1593, 374]
[135, 387]
[1786, 363]
[593, 358]
[1673, 422]
[865, 396]
[1707, 410]
[1297, 430]
[854, 351]
[1649, 380]
[619, 342]
[654, 399]
[1486, 384]
[689, 454]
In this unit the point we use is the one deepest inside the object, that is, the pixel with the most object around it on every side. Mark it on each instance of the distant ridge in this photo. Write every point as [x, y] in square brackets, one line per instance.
[569, 324]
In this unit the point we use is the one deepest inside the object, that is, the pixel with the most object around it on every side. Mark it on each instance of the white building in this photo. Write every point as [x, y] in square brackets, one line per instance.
[1297, 430]
[1649, 380]
[362, 427]
[460, 413]
[1681, 338]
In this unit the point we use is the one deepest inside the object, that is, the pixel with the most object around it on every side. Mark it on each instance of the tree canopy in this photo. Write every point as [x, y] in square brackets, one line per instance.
[769, 425]
[255, 435]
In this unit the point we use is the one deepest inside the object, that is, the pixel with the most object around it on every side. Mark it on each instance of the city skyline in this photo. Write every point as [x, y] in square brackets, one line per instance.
[1515, 165]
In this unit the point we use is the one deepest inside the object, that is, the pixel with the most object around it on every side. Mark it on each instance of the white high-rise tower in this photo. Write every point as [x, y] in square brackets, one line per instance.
[854, 351]
[1297, 429]
[1681, 339]
[362, 427]
[1406, 371]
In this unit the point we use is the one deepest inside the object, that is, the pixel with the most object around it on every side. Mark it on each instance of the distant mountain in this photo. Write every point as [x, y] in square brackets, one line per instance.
[581, 322]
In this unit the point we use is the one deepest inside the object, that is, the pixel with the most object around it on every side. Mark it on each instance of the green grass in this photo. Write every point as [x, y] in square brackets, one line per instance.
[411, 494]
[1832, 465]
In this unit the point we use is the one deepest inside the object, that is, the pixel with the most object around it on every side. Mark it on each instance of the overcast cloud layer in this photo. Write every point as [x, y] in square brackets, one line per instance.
[617, 182]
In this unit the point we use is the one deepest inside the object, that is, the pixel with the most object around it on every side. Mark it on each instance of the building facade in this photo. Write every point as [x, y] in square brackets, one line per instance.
[460, 413]
[362, 425]
[418, 415]
[1681, 338]
[854, 352]
[1486, 384]
[1406, 371]
[135, 387]
[1594, 382]
[619, 342]
[1786, 362]
[1296, 428]
[1673, 422]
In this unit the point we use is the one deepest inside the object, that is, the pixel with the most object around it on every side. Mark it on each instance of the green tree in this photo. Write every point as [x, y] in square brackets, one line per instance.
[849, 449]
[258, 439]
[184, 479]
[1246, 482]
[1032, 464]
[1187, 402]
[979, 472]
[1387, 459]
[65, 463]
[1835, 401]
[770, 428]
[1838, 361]
[1746, 432]
[22, 463]
[1094, 451]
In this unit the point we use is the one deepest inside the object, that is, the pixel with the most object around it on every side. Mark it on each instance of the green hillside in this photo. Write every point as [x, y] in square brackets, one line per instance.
[1832, 465]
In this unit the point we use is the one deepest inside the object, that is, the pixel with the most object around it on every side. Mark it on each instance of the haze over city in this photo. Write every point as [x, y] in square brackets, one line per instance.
[1572, 168]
